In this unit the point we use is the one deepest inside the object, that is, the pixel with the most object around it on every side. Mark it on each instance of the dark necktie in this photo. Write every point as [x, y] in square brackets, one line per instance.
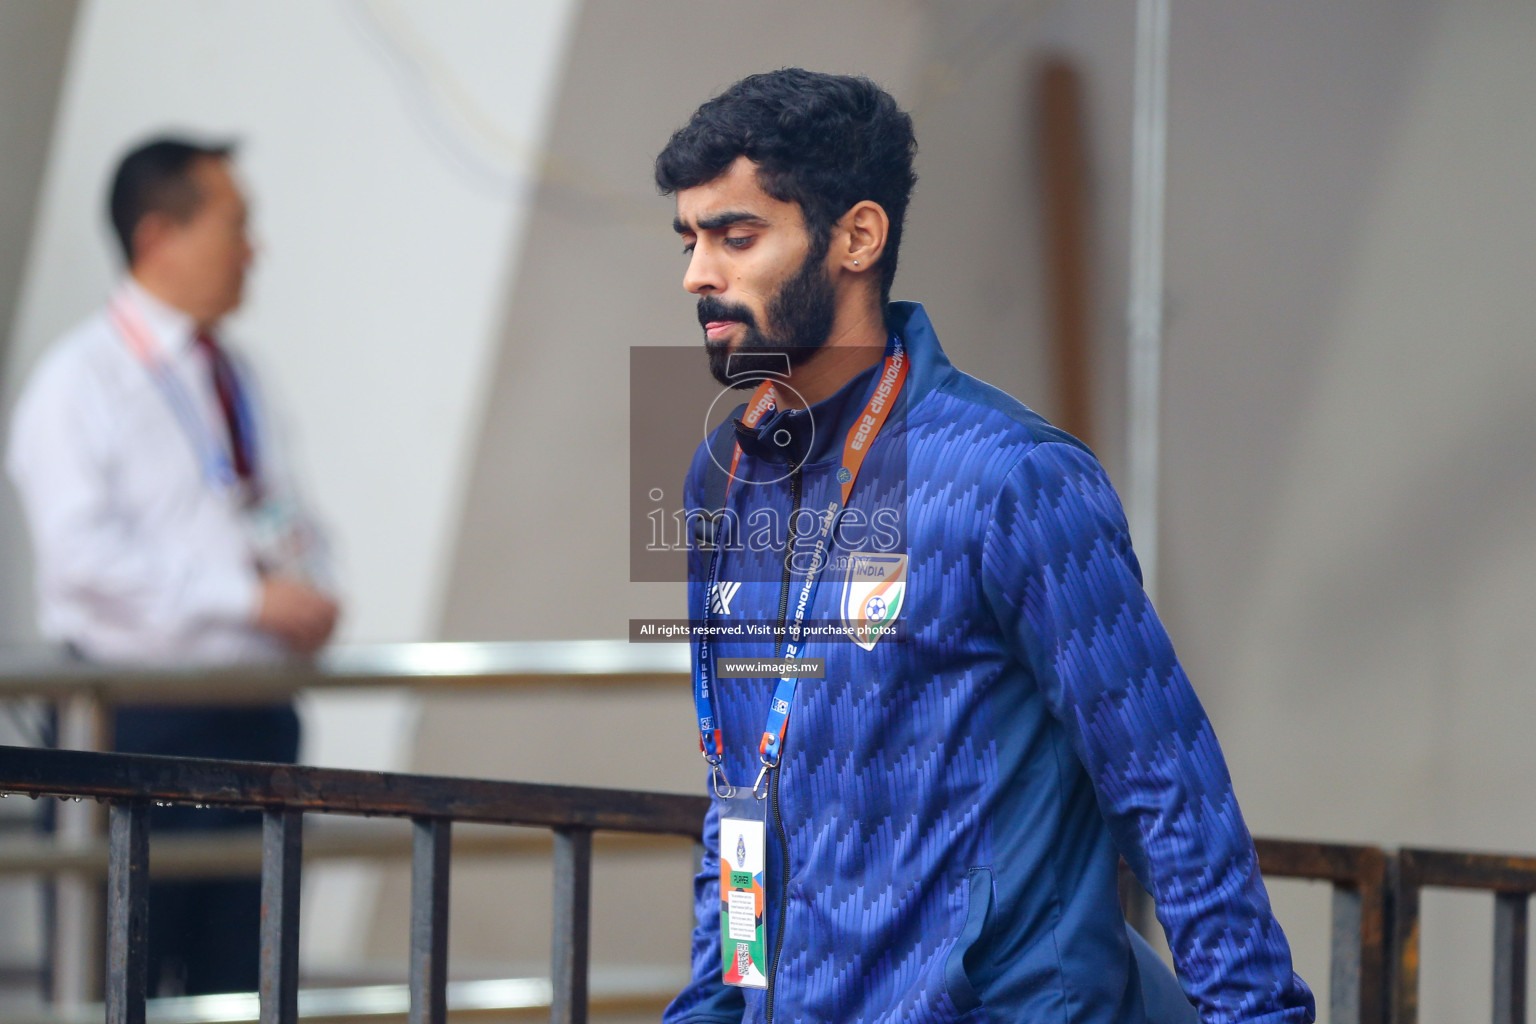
[227, 386]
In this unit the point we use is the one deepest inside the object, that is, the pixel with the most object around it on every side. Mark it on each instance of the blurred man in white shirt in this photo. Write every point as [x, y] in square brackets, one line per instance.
[148, 547]
[165, 523]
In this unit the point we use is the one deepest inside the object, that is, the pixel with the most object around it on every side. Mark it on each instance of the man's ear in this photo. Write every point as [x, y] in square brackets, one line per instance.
[150, 233]
[858, 241]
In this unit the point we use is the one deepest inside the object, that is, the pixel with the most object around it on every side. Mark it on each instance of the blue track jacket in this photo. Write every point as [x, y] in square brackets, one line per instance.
[944, 829]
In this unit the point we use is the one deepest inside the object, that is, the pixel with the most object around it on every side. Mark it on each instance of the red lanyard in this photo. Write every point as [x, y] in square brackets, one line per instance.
[214, 460]
[856, 444]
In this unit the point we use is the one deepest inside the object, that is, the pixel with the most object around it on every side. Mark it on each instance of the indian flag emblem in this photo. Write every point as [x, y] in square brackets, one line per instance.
[872, 595]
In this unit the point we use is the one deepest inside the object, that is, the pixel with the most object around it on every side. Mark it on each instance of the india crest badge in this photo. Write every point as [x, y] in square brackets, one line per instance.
[872, 595]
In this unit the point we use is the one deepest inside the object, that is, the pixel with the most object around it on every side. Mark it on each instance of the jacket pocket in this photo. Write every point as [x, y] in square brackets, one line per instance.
[978, 907]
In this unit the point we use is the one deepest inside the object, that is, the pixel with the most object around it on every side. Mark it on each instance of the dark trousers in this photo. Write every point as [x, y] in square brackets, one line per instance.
[205, 936]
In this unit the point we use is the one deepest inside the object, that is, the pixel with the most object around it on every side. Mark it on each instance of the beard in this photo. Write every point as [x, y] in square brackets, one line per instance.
[799, 322]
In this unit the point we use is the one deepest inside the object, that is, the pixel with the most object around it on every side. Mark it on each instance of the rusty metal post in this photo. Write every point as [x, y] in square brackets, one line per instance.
[431, 845]
[1358, 987]
[573, 913]
[282, 847]
[1511, 912]
[1066, 217]
[127, 913]
[1405, 939]
[1376, 902]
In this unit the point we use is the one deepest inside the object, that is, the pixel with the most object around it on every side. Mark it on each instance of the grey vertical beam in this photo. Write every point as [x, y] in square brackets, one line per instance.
[35, 48]
[1510, 948]
[1149, 142]
[282, 849]
[573, 914]
[1344, 961]
[76, 944]
[430, 848]
[34, 62]
[127, 913]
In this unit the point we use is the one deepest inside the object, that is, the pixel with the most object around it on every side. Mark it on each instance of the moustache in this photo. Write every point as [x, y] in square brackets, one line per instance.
[711, 309]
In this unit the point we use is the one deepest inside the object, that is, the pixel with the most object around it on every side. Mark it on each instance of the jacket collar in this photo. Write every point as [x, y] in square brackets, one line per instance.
[817, 433]
[930, 366]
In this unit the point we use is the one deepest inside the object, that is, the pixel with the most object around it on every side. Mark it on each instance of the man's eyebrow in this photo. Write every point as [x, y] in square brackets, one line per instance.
[718, 220]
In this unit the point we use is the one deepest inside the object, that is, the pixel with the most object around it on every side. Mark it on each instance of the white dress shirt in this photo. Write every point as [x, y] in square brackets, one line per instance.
[140, 557]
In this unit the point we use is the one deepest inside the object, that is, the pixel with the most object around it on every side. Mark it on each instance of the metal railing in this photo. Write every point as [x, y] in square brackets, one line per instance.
[47, 673]
[1357, 989]
[131, 784]
[82, 695]
[1510, 880]
[1374, 947]
[1357, 980]
[1374, 961]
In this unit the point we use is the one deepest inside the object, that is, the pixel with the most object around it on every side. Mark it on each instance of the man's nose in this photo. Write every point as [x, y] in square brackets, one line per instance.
[703, 276]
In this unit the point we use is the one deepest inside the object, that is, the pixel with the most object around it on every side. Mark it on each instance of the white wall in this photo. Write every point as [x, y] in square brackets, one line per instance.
[1380, 683]
[388, 148]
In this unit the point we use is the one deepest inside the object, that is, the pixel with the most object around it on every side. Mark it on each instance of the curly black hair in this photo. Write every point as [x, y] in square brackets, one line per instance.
[823, 141]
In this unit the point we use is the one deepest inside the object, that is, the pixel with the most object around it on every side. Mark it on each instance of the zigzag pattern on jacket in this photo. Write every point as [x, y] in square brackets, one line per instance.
[955, 802]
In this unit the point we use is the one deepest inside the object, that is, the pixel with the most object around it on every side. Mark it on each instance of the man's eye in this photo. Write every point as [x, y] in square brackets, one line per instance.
[738, 242]
[688, 249]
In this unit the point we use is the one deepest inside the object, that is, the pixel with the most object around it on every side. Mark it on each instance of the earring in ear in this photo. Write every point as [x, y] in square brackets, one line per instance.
[855, 262]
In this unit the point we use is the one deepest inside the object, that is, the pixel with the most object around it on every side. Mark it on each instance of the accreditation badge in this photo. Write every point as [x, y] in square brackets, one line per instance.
[743, 838]
[283, 541]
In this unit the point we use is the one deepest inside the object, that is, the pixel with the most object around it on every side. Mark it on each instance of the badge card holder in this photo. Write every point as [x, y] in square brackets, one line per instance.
[743, 849]
[283, 541]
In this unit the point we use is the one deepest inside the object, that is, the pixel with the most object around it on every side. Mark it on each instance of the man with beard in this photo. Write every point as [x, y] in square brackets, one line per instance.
[926, 827]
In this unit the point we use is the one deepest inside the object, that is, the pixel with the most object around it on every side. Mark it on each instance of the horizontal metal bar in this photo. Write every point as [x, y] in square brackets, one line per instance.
[237, 853]
[1336, 862]
[1450, 869]
[342, 791]
[45, 672]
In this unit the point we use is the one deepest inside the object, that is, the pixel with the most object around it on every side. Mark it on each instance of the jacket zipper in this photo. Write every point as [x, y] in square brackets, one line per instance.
[789, 551]
[773, 775]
